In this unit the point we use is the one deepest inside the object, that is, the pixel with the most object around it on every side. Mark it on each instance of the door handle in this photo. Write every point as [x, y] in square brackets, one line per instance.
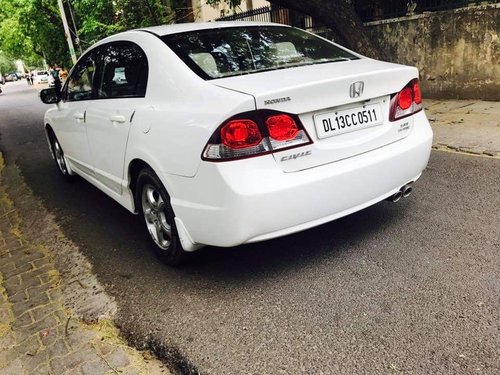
[79, 116]
[117, 118]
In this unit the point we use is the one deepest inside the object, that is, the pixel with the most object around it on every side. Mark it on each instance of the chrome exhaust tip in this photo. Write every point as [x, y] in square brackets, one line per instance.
[406, 190]
[396, 197]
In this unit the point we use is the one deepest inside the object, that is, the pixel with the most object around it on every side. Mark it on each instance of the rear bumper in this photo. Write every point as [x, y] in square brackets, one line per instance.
[253, 200]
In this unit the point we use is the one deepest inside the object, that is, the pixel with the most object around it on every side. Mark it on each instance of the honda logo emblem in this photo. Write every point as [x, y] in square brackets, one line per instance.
[357, 89]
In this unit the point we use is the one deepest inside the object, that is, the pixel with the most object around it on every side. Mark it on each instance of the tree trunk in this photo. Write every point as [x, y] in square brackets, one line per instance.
[341, 18]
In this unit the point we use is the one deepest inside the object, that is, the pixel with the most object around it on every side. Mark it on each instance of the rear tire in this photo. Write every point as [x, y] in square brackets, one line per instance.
[154, 206]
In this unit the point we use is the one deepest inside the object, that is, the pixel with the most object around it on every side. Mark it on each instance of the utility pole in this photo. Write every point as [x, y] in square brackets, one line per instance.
[66, 31]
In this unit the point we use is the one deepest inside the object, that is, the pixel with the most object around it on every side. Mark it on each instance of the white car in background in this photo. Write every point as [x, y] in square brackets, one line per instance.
[41, 76]
[230, 133]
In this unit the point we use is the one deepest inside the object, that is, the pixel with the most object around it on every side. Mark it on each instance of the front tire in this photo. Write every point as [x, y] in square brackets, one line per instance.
[154, 206]
[58, 154]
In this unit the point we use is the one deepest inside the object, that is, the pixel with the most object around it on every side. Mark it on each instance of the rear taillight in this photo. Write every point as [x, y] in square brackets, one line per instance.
[417, 94]
[405, 98]
[281, 127]
[406, 102]
[255, 133]
[240, 134]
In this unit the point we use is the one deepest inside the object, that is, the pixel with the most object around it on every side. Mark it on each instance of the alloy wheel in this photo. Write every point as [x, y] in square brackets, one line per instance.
[154, 210]
[59, 155]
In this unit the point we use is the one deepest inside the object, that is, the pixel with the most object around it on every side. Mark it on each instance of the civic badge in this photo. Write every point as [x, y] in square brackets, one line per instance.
[357, 89]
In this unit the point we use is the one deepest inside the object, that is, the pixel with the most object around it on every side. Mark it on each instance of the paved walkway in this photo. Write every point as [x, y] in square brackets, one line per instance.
[468, 126]
[38, 334]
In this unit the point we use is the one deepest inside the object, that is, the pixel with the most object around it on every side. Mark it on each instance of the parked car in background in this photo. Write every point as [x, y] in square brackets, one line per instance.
[11, 77]
[41, 76]
[230, 133]
[51, 81]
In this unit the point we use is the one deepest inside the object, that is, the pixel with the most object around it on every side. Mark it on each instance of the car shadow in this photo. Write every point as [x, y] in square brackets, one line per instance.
[308, 248]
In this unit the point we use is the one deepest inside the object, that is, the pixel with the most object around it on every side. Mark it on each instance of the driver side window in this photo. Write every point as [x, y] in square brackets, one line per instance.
[80, 84]
[124, 71]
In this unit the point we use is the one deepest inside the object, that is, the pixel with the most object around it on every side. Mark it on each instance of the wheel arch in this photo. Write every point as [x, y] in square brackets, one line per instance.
[49, 136]
[138, 163]
[135, 167]
[49, 131]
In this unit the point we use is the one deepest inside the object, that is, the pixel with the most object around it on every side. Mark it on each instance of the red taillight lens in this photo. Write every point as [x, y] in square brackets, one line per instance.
[255, 133]
[281, 127]
[405, 98]
[240, 134]
[417, 94]
[406, 102]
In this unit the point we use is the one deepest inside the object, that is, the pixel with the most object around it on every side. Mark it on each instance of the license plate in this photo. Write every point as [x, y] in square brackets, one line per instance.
[348, 120]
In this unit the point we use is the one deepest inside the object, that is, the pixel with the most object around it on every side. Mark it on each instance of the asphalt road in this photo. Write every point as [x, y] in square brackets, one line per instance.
[412, 287]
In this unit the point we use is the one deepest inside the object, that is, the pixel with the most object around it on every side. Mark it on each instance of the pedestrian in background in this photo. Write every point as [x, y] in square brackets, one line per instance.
[55, 75]
[63, 74]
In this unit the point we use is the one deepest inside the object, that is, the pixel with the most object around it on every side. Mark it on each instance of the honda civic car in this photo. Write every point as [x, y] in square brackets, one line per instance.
[228, 133]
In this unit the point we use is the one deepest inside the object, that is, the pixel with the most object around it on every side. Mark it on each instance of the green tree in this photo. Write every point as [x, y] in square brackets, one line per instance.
[141, 13]
[41, 23]
[32, 29]
[95, 19]
[13, 42]
[28, 30]
[6, 63]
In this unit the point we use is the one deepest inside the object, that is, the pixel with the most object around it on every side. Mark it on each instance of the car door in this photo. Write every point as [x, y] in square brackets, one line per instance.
[121, 90]
[69, 121]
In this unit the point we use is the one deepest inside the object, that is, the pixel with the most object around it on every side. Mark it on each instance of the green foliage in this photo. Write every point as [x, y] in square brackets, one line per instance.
[6, 63]
[32, 29]
[232, 3]
[140, 13]
[95, 20]
[42, 25]
[13, 42]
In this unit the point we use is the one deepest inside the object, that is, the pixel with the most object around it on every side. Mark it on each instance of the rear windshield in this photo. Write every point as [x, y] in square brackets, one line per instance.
[233, 51]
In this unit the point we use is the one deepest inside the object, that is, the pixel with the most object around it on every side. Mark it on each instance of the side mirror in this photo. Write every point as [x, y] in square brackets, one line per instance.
[50, 96]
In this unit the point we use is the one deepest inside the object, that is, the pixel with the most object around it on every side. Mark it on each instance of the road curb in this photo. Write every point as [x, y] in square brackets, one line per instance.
[40, 330]
[464, 151]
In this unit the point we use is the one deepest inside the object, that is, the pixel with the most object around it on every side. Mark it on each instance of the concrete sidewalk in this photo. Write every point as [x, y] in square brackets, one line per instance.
[468, 126]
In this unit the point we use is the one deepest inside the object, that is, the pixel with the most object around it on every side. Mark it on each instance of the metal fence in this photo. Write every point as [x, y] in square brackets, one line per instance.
[276, 14]
[367, 10]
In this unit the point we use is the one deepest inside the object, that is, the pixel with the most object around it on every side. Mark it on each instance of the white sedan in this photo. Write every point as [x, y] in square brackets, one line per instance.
[42, 76]
[230, 133]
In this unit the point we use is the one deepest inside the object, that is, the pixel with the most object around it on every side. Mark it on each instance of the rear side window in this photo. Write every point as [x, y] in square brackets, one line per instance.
[234, 51]
[124, 72]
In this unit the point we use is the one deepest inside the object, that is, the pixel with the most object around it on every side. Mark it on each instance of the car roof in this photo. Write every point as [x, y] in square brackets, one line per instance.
[181, 28]
[185, 27]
